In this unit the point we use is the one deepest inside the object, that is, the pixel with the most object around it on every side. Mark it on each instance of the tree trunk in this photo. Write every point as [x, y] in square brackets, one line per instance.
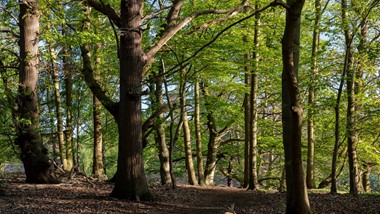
[352, 136]
[161, 135]
[173, 136]
[296, 198]
[164, 153]
[310, 182]
[247, 119]
[98, 165]
[38, 168]
[58, 111]
[197, 125]
[253, 108]
[213, 142]
[186, 131]
[54, 145]
[69, 110]
[131, 181]
[365, 177]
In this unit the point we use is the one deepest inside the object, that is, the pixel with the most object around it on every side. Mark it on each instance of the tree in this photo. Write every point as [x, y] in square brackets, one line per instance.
[98, 165]
[253, 181]
[198, 136]
[186, 130]
[38, 168]
[310, 182]
[134, 63]
[352, 135]
[296, 195]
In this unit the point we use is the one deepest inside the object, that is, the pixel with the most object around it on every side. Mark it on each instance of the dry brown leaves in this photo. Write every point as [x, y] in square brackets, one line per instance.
[80, 196]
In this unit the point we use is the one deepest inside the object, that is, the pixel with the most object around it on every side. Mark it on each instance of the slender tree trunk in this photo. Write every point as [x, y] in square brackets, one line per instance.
[131, 181]
[213, 142]
[161, 134]
[38, 168]
[197, 125]
[58, 111]
[296, 198]
[253, 108]
[358, 90]
[164, 153]
[186, 131]
[173, 136]
[365, 177]
[69, 110]
[352, 136]
[53, 141]
[310, 182]
[247, 119]
[98, 165]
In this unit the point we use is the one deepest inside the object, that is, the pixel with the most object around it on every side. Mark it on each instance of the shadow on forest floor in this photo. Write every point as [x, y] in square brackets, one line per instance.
[80, 196]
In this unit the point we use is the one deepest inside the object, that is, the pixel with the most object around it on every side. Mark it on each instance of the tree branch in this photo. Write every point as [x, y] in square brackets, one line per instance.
[231, 140]
[169, 34]
[95, 87]
[155, 13]
[106, 9]
[273, 4]
[15, 35]
[148, 122]
[15, 18]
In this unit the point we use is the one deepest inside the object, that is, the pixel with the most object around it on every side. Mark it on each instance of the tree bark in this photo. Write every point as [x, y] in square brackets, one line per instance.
[253, 108]
[69, 110]
[161, 134]
[310, 182]
[198, 136]
[247, 119]
[131, 181]
[296, 198]
[58, 110]
[38, 168]
[98, 165]
[164, 154]
[352, 136]
[186, 131]
[213, 142]
[365, 177]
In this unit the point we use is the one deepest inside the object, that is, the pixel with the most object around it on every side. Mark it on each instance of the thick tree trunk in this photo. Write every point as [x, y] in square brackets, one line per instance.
[310, 182]
[186, 131]
[296, 198]
[38, 168]
[131, 181]
[198, 136]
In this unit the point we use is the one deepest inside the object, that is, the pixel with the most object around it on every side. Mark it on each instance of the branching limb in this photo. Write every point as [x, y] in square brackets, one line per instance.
[273, 4]
[106, 9]
[169, 34]
[155, 13]
[15, 18]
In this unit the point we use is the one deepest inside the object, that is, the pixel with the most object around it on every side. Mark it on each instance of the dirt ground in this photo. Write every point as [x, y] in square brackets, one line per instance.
[81, 196]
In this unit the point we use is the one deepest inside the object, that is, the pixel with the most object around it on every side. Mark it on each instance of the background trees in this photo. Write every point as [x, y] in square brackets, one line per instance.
[85, 57]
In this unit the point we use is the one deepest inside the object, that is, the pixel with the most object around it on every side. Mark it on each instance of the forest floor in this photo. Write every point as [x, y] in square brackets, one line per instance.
[84, 196]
